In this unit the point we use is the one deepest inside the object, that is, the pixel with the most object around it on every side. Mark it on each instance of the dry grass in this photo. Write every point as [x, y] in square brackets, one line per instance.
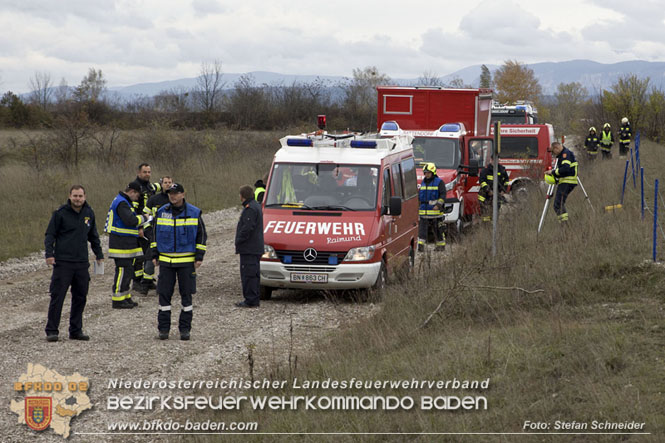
[211, 165]
[588, 347]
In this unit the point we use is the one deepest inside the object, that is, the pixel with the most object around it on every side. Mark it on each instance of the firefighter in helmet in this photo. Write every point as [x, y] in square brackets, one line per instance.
[485, 194]
[624, 137]
[432, 196]
[564, 176]
[591, 144]
[606, 141]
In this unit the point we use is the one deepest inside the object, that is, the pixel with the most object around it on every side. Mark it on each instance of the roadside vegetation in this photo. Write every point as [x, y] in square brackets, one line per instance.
[567, 325]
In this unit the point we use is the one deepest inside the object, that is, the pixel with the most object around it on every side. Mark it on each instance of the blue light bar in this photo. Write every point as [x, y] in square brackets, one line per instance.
[520, 107]
[390, 126]
[299, 142]
[450, 127]
[366, 144]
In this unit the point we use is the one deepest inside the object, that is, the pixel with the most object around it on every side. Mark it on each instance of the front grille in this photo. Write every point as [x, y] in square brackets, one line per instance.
[310, 268]
[322, 257]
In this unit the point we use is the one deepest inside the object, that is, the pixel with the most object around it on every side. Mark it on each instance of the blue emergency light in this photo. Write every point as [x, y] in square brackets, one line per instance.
[365, 144]
[299, 142]
[390, 126]
[450, 127]
[520, 107]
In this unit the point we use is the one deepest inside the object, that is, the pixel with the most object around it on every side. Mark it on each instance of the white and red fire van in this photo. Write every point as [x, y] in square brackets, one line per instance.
[340, 212]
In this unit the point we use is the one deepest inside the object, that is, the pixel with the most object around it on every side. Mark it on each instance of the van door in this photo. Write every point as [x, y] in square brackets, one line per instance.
[386, 219]
[400, 222]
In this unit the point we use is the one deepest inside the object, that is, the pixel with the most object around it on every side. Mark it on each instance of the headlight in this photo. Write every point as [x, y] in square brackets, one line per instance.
[269, 253]
[360, 254]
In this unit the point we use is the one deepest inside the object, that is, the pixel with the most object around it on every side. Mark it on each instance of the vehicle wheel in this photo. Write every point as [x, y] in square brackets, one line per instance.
[265, 292]
[376, 291]
[411, 263]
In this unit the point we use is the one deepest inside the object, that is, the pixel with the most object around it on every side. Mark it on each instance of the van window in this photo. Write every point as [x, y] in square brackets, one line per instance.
[323, 186]
[409, 178]
[386, 188]
[443, 152]
[397, 181]
[518, 147]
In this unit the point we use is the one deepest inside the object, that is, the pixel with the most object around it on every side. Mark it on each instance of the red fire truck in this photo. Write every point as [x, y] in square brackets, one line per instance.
[524, 154]
[340, 212]
[451, 128]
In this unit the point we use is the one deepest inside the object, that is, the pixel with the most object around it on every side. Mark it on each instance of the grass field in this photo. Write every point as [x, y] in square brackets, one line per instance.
[211, 165]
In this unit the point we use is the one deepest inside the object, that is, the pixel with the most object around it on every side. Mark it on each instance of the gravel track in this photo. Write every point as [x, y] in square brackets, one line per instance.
[124, 343]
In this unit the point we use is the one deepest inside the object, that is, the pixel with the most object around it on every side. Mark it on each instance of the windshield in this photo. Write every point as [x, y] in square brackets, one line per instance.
[443, 152]
[323, 186]
[513, 119]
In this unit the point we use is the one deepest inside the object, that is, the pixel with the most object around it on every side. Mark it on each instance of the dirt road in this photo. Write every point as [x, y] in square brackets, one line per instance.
[124, 343]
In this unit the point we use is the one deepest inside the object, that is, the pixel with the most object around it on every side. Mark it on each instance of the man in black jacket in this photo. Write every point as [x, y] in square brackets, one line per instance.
[249, 244]
[143, 278]
[71, 227]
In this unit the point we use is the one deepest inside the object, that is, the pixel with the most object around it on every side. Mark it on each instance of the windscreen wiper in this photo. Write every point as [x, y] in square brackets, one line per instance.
[334, 208]
[289, 205]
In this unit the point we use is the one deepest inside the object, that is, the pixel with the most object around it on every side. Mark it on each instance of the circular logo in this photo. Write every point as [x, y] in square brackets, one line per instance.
[310, 254]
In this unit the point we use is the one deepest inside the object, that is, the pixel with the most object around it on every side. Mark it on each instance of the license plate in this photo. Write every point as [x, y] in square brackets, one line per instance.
[303, 277]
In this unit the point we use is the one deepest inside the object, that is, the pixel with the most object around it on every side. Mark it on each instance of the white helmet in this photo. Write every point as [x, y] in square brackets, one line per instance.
[624, 120]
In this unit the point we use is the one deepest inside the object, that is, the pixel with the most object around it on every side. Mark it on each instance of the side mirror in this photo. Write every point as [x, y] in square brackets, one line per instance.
[395, 206]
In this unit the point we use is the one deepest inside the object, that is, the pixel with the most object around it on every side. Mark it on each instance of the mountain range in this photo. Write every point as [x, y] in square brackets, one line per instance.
[592, 75]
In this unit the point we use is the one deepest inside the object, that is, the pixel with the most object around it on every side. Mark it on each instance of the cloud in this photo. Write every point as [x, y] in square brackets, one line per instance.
[203, 8]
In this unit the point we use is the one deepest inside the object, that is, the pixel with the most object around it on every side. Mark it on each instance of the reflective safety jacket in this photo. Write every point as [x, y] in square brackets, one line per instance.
[147, 190]
[432, 193]
[624, 134]
[566, 171]
[122, 225]
[486, 180]
[591, 144]
[606, 140]
[180, 236]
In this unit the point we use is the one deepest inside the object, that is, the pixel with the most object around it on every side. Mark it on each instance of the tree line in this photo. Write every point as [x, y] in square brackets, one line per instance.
[350, 104]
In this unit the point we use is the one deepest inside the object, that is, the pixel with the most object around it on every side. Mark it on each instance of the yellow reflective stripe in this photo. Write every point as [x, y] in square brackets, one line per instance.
[167, 259]
[120, 295]
[428, 212]
[430, 188]
[177, 254]
[569, 180]
[153, 244]
[481, 198]
[201, 247]
[178, 221]
[133, 231]
[126, 251]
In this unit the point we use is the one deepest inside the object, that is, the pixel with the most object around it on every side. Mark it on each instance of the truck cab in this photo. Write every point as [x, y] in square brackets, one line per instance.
[340, 212]
[522, 112]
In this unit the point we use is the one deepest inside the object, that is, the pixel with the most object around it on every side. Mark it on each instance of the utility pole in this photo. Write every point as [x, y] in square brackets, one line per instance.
[495, 184]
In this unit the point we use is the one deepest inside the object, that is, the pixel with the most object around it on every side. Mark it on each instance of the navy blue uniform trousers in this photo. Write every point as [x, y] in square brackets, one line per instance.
[250, 278]
[66, 274]
[165, 288]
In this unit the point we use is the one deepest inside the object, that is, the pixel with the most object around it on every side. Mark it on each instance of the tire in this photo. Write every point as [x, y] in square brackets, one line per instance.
[265, 292]
[375, 293]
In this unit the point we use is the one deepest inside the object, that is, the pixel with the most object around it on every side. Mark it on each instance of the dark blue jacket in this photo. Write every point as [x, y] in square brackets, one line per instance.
[249, 233]
[69, 232]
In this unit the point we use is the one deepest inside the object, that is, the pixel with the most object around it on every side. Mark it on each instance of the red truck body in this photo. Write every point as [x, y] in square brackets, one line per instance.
[451, 128]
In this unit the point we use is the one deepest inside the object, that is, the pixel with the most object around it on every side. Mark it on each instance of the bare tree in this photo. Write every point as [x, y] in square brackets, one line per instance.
[41, 88]
[209, 85]
[430, 78]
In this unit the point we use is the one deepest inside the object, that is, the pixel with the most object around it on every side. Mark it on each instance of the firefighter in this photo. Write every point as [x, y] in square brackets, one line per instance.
[486, 180]
[178, 249]
[591, 144]
[125, 227]
[432, 195]
[624, 137]
[606, 141]
[564, 176]
[155, 202]
[143, 278]
[259, 190]
[70, 230]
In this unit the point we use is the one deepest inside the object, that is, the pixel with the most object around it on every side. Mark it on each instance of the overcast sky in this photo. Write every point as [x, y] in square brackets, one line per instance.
[136, 41]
